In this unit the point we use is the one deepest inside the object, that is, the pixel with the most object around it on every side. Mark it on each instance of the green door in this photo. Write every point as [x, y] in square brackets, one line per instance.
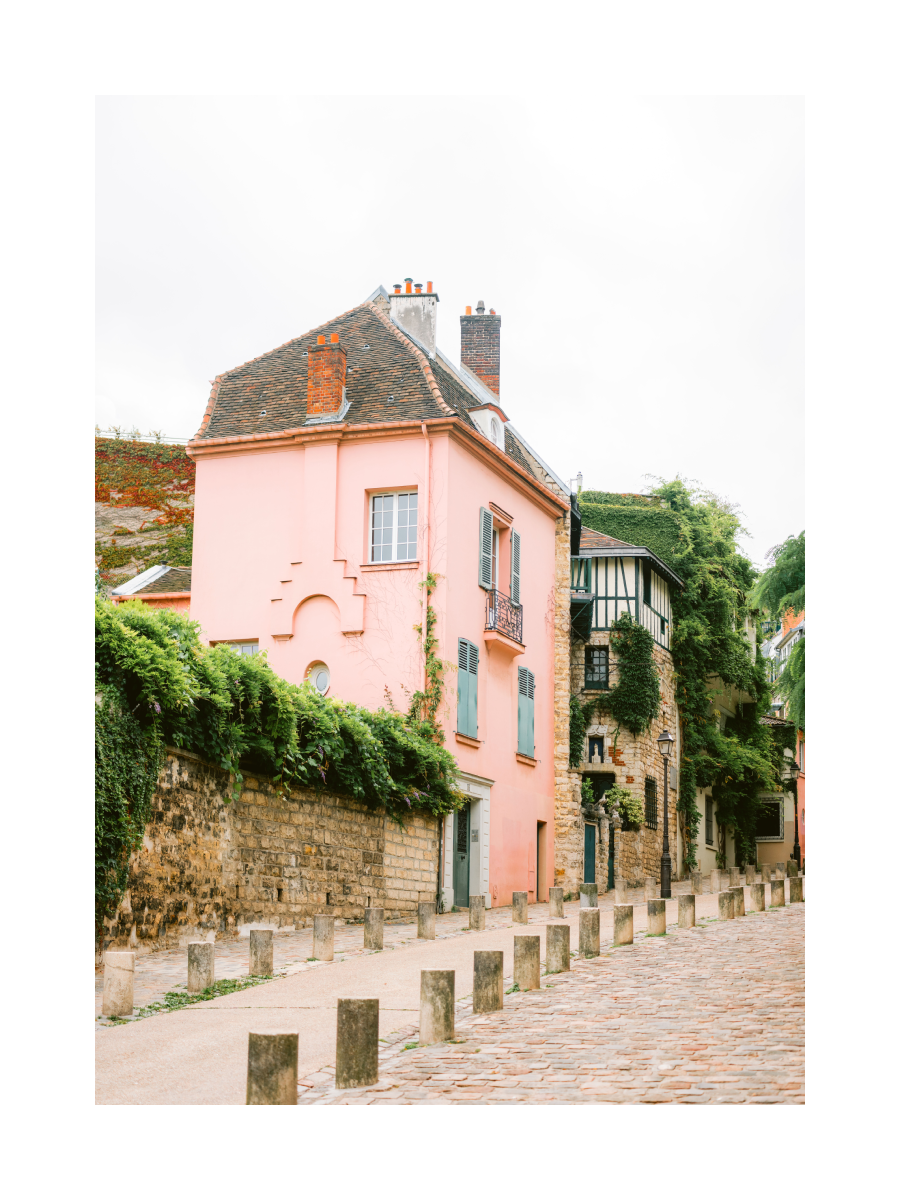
[461, 858]
[611, 860]
[590, 854]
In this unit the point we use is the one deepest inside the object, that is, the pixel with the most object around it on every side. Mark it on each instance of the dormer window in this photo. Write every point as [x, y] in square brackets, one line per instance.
[496, 432]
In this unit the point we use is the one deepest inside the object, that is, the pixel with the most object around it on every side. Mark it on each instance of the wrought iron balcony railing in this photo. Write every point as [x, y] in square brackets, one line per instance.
[503, 616]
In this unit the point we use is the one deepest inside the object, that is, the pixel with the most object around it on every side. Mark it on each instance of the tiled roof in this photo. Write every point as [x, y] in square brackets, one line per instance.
[592, 540]
[387, 380]
[176, 579]
[767, 720]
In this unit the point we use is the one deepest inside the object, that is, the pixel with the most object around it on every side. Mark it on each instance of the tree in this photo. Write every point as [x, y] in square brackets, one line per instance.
[778, 589]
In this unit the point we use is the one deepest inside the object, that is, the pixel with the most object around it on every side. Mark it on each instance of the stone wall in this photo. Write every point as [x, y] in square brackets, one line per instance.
[210, 870]
[630, 759]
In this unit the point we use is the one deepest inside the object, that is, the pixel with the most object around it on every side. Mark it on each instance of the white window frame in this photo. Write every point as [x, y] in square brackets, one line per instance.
[247, 646]
[396, 512]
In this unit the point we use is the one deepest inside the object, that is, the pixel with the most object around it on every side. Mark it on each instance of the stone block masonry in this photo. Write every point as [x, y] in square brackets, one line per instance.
[210, 868]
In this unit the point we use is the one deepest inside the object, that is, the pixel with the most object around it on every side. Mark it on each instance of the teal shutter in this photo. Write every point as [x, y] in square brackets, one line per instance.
[467, 689]
[485, 538]
[526, 712]
[473, 691]
[515, 552]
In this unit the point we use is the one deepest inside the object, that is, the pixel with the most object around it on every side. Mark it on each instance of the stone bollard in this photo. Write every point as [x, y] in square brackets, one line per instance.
[726, 906]
[715, 880]
[756, 901]
[750, 874]
[687, 909]
[557, 948]
[437, 1006]
[792, 871]
[556, 902]
[426, 920]
[649, 888]
[777, 886]
[589, 932]
[118, 983]
[488, 994]
[696, 883]
[476, 912]
[766, 871]
[323, 937]
[262, 952]
[738, 894]
[272, 1068]
[520, 908]
[527, 961]
[356, 1064]
[373, 929]
[621, 893]
[795, 883]
[201, 966]
[623, 924]
[656, 918]
[587, 894]
[779, 868]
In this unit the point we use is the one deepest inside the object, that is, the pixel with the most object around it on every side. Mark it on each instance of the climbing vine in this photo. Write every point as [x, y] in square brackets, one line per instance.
[579, 718]
[169, 689]
[425, 705]
[629, 807]
[635, 699]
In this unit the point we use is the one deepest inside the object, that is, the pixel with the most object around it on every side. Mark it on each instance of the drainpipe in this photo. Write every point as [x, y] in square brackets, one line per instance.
[426, 549]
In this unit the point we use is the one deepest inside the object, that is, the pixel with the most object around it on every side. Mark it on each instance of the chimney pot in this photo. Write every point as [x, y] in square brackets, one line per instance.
[479, 307]
[408, 282]
[321, 339]
[468, 310]
[418, 288]
[397, 287]
[335, 337]
[428, 287]
[493, 313]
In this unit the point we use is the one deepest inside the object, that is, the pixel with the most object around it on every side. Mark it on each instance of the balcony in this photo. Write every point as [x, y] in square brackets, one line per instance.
[503, 616]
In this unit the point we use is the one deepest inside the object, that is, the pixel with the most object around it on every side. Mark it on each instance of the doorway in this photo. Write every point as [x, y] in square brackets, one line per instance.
[590, 853]
[540, 881]
[461, 858]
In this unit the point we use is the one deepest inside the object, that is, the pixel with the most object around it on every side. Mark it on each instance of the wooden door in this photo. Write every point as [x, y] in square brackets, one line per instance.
[590, 854]
[461, 858]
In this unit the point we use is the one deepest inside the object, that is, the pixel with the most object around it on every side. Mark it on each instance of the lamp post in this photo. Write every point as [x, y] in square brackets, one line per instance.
[665, 742]
[791, 774]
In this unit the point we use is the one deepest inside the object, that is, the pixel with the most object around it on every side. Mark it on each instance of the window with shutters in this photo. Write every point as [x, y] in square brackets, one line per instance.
[526, 712]
[710, 837]
[650, 819]
[486, 549]
[393, 525]
[596, 668]
[467, 689]
[515, 566]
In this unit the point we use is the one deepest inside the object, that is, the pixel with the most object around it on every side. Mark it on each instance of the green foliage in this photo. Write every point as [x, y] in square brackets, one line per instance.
[424, 705]
[629, 806]
[791, 684]
[587, 791]
[783, 585]
[235, 711]
[620, 499]
[640, 523]
[635, 699]
[708, 643]
[173, 1001]
[578, 723]
[127, 762]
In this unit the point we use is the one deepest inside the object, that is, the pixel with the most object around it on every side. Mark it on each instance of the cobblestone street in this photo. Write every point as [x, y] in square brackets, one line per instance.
[708, 1015]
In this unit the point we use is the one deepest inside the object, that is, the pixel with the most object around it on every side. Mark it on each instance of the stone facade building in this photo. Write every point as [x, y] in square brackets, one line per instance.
[608, 578]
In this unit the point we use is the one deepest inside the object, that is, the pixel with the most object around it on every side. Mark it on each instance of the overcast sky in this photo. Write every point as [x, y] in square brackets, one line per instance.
[646, 257]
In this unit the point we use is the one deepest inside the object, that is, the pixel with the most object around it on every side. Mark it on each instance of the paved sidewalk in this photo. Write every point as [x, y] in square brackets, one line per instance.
[708, 1015]
[198, 1055]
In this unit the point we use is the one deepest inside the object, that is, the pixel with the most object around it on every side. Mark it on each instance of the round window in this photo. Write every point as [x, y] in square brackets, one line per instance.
[320, 677]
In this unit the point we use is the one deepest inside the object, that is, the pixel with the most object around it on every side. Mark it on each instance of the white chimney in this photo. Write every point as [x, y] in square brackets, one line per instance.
[415, 312]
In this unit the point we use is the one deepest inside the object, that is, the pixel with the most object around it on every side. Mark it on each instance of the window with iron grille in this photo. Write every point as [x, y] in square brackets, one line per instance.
[710, 840]
[650, 802]
[596, 668]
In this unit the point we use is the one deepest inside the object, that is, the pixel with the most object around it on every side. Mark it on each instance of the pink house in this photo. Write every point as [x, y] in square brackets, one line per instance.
[334, 474]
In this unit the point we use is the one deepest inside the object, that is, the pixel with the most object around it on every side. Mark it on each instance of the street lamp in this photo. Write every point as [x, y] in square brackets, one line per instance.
[790, 774]
[665, 742]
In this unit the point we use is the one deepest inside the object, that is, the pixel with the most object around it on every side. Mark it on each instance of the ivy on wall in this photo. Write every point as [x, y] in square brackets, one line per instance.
[232, 709]
[640, 523]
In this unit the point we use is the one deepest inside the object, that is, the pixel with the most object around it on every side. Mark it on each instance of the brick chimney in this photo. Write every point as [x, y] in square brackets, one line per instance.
[480, 345]
[415, 312]
[326, 377]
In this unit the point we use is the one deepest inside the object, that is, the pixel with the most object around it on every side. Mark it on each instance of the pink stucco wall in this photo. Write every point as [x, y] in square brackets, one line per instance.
[281, 554]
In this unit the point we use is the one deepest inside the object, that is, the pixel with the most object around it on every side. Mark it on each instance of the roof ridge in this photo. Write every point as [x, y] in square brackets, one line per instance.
[423, 361]
[213, 395]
